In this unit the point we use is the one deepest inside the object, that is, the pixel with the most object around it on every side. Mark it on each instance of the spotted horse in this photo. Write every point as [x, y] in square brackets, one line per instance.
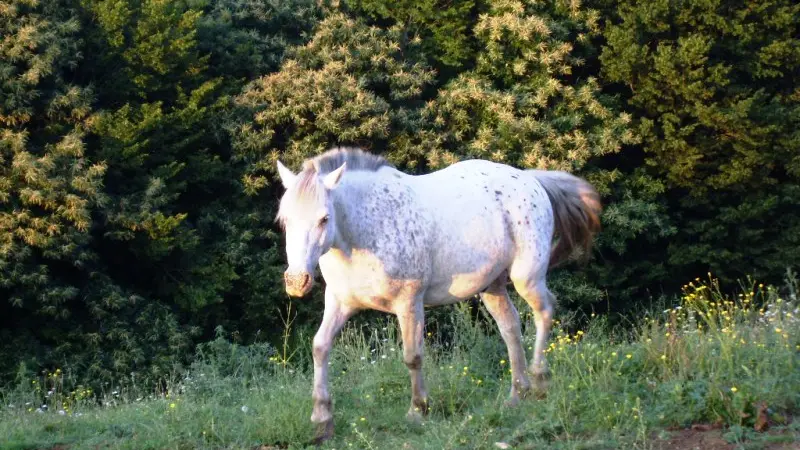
[397, 243]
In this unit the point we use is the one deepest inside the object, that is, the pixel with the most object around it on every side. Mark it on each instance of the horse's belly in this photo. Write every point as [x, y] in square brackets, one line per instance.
[460, 287]
[471, 252]
[460, 275]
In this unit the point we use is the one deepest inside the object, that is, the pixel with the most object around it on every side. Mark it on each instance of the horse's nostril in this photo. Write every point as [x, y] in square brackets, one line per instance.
[306, 279]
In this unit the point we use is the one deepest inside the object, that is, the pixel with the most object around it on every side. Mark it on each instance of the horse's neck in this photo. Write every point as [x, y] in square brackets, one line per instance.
[352, 192]
[353, 199]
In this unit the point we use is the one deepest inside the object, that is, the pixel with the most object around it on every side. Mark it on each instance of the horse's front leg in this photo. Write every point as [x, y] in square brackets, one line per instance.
[333, 320]
[412, 327]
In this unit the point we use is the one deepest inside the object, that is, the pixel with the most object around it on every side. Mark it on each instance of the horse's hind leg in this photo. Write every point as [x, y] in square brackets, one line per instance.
[534, 290]
[411, 316]
[496, 300]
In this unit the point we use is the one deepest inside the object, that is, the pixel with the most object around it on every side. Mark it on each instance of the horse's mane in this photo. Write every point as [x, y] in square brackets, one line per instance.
[306, 187]
[356, 159]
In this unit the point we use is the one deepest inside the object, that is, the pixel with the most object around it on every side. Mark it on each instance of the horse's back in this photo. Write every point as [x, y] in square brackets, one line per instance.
[487, 216]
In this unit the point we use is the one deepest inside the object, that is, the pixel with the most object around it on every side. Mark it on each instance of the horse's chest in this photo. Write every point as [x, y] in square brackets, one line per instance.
[363, 279]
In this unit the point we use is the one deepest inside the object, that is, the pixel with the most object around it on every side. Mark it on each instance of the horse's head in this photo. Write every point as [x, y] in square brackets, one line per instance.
[309, 222]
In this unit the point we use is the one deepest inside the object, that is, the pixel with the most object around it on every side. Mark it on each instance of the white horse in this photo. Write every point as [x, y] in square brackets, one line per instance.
[395, 242]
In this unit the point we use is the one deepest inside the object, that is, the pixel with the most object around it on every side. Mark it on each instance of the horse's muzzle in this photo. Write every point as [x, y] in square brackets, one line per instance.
[298, 284]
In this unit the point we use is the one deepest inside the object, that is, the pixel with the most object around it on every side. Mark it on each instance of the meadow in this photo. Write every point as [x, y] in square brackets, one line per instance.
[716, 368]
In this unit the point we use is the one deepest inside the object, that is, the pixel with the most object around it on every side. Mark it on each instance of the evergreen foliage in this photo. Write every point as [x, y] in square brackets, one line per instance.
[48, 187]
[349, 85]
[124, 223]
[521, 104]
[245, 39]
[714, 87]
[444, 28]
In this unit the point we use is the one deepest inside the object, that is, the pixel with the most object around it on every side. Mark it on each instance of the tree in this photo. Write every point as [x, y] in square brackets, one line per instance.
[351, 83]
[48, 187]
[126, 237]
[245, 39]
[714, 87]
[444, 28]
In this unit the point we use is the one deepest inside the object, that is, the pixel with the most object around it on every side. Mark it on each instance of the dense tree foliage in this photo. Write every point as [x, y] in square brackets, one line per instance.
[715, 89]
[138, 141]
[124, 222]
[444, 28]
[349, 84]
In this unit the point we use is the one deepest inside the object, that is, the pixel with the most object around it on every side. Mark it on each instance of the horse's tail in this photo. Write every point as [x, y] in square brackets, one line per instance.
[576, 207]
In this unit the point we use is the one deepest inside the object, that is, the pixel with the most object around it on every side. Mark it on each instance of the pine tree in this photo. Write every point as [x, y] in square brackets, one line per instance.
[124, 226]
[523, 103]
[245, 39]
[48, 187]
[715, 88]
[349, 85]
[444, 28]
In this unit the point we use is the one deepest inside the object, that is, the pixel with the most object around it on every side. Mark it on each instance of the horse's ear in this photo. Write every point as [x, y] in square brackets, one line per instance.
[287, 177]
[332, 179]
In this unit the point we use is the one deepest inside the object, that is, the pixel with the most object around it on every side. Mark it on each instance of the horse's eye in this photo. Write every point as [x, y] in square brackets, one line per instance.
[324, 220]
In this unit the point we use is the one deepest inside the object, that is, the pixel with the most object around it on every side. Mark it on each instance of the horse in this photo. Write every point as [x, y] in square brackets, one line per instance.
[398, 243]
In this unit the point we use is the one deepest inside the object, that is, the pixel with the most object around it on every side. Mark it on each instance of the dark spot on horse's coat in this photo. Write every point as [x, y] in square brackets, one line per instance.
[519, 222]
[514, 177]
[498, 192]
[415, 363]
[318, 352]
[484, 173]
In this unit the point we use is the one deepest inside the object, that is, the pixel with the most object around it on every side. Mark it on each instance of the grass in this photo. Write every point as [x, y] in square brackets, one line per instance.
[730, 363]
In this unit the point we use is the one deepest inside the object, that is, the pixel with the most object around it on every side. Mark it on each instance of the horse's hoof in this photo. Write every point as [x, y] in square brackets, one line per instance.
[417, 412]
[541, 379]
[541, 383]
[414, 417]
[522, 389]
[323, 432]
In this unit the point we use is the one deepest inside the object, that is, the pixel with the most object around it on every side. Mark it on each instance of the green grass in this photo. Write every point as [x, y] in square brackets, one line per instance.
[710, 360]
